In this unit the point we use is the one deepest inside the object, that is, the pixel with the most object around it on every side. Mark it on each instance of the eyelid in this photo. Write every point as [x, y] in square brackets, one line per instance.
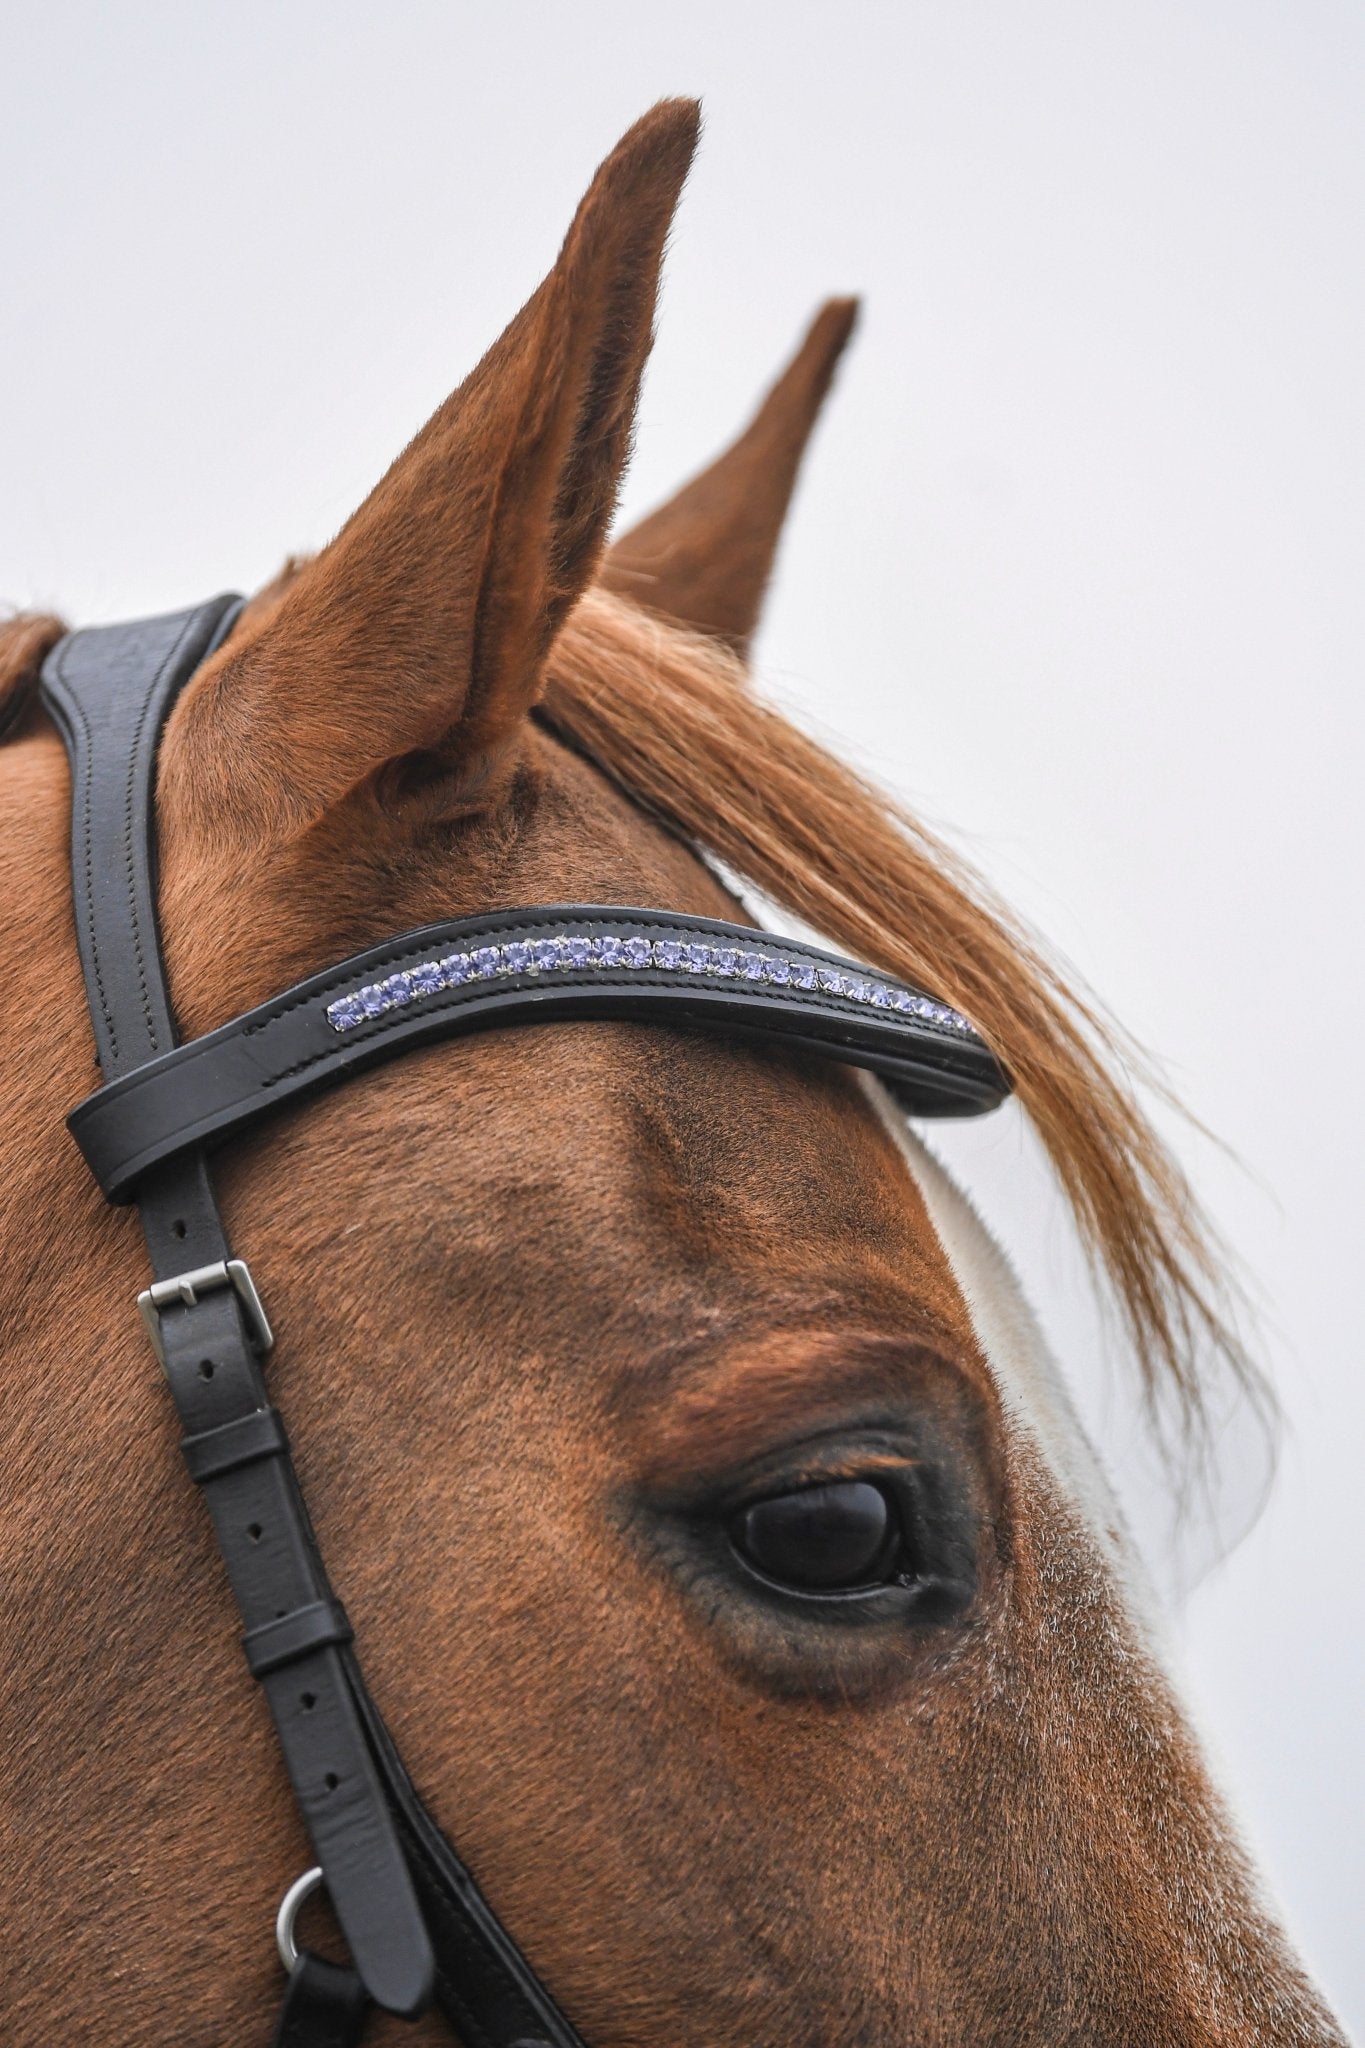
[866, 1450]
[738, 1404]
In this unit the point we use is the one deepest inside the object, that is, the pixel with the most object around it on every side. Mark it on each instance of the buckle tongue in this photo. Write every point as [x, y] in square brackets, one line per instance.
[188, 1288]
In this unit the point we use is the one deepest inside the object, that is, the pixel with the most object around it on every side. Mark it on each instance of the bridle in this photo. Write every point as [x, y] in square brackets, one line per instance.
[414, 1920]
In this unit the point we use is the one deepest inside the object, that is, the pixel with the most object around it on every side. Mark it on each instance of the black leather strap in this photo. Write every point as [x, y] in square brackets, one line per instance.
[203, 1092]
[325, 2006]
[110, 690]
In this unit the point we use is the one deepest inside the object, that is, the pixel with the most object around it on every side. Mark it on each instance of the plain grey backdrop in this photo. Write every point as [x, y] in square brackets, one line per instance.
[1075, 568]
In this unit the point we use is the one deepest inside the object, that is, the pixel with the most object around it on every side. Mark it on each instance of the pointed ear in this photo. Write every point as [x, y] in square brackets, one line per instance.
[704, 558]
[423, 628]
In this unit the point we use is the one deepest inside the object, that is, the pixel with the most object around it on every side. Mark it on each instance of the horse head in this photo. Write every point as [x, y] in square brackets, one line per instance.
[726, 1557]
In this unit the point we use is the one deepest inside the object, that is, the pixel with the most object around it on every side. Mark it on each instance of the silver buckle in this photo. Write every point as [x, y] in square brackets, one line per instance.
[189, 1287]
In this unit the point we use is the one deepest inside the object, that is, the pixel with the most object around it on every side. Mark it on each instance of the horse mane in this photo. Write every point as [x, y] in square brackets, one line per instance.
[669, 716]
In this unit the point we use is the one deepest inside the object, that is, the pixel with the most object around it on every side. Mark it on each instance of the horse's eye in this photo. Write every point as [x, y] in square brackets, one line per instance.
[823, 1539]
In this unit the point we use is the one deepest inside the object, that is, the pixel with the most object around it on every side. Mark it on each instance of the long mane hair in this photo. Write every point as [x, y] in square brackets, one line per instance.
[669, 715]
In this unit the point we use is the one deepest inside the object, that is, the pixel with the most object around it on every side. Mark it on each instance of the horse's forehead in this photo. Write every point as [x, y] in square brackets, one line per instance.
[610, 1145]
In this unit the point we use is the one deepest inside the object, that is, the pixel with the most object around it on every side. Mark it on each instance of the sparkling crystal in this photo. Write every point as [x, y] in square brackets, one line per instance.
[883, 997]
[751, 966]
[485, 960]
[637, 952]
[426, 978]
[547, 953]
[668, 952]
[607, 952]
[830, 980]
[776, 969]
[398, 990]
[346, 1013]
[579, 950]
[455, 968]
[700, 958]
[726, 960]
[804, 974]
[861, 991]
[902, 1000]
[516, 958]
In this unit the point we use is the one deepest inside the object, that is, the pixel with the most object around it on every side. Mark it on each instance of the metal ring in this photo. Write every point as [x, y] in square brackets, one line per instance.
[302, 1888]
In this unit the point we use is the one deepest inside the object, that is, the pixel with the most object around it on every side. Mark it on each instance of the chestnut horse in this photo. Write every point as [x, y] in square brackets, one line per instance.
[568, 1319]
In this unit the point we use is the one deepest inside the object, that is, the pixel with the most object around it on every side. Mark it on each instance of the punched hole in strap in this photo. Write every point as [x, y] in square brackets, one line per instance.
[251, 1437]
[291, 1636]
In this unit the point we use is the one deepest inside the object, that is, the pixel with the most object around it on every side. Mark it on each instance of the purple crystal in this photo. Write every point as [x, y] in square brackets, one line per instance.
[372, 1000]
[455, 968]
[579, 950]
[426, 978]
[516, 958]
[549, 952]
[883, 997]
[485, 960]
[902, 1000]
[607, 952]
[398, 990]
[727, 960]
[637, 952]
[775, 968]
[668, 952]
[751, 966]
[861, 991]
[830, 980]
[700, 958]
[346, 1013]
[803, 974]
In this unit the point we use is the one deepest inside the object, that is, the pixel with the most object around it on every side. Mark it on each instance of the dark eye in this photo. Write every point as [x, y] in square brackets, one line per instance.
[823, 1539]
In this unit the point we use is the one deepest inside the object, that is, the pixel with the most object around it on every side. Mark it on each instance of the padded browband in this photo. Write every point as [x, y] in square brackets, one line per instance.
[525, 967]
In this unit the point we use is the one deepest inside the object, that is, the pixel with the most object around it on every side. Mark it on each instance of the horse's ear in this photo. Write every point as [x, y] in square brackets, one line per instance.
[704, 558]
[418, 636]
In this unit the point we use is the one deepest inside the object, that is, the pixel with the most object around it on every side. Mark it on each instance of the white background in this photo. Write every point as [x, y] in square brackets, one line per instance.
[1076, 566]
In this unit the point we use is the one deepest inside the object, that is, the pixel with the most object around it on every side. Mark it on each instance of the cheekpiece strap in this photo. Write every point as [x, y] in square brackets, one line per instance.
[110, 690]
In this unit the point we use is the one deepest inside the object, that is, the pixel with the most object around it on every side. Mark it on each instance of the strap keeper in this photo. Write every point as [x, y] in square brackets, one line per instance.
[277, 1643]
[215, 1451]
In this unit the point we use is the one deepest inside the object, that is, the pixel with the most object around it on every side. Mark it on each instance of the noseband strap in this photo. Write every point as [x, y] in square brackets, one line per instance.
[413, 1916]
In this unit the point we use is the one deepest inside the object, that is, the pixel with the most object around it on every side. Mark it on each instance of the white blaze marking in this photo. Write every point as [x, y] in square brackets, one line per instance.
[1032, 1392]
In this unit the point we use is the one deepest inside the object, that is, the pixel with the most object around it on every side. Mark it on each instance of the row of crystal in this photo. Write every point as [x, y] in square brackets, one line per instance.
[626, 953]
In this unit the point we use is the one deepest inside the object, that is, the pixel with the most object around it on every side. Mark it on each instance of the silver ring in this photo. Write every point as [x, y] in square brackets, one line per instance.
[302, 1888]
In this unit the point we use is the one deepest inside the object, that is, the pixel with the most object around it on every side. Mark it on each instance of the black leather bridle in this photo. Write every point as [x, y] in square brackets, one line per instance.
[415, 1922]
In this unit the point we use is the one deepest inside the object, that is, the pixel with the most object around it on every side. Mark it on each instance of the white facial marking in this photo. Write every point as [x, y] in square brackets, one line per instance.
[1032, 1391]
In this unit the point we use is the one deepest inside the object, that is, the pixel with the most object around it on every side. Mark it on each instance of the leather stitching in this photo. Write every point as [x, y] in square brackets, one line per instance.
[85, 769]
[135, 763]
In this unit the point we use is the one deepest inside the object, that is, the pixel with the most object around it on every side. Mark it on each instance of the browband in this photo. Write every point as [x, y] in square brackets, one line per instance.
[527, 967]
[412, 1914]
